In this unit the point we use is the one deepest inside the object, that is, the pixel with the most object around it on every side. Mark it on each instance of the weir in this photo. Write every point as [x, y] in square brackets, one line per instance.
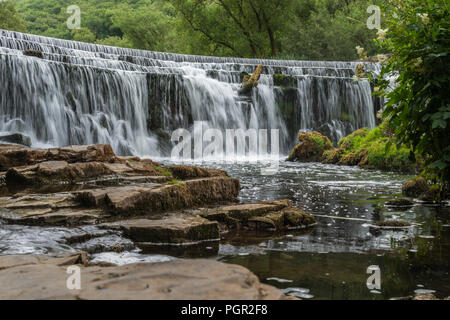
[61, 92]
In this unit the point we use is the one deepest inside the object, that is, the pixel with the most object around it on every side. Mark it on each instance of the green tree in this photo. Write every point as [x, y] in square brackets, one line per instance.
[418, 38]
[10, 18]
[83, 34]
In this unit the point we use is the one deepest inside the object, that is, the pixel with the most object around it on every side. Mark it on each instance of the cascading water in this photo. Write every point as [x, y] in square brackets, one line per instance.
[77, 93]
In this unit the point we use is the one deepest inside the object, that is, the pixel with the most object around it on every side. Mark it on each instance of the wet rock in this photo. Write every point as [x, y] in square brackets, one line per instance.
[16, 138]
[311, 148]
[43, 277]
[281, 80]
[173, 230]
[56, 172]
[415, 187]
[55, 209]
[402, 202]
[17, 155]
[155, 198]
[249, 82]
[433, 194]
[190, 172]
[50, 172]
[33, 53]
[278, 215]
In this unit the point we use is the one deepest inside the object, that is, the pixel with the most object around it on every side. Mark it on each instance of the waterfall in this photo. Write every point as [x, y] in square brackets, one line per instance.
[62, 92]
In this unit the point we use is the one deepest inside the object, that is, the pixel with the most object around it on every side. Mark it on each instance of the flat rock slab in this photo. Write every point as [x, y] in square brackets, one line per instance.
[171, 230]
[41, 277]
[158, 198]
[277, 215]
[51, 172]
[17, 155]
[54, 209]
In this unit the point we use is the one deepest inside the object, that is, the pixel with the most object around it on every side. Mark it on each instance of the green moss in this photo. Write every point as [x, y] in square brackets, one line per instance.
[176, 182]
[375, 149]
[165, 172]
[354, 141]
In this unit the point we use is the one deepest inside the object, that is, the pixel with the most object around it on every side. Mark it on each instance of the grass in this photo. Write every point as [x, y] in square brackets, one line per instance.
[164, 171]
[176, 182]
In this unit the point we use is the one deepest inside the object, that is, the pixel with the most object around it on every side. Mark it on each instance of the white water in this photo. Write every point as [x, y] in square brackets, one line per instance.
[132, 99]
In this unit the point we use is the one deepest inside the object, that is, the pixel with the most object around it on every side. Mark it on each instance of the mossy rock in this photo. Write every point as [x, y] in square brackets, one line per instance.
[415, 187]
[352, 141]
[400, 203]
[311, 148]
[281, 80]
[332, 156]
[353, 158]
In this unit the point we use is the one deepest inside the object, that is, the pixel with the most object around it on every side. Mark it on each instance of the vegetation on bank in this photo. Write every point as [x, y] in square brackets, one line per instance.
[279, 29]
[372, 149]
[417, 37]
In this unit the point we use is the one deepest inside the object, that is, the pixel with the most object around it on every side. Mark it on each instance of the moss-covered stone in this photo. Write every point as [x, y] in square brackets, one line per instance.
[311, 148]
[415, 187]
[277, 215]
[248, 83]
[332, 156]
[285, 81]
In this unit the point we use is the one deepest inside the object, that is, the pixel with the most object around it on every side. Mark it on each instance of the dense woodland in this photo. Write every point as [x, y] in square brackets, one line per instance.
[280, 29]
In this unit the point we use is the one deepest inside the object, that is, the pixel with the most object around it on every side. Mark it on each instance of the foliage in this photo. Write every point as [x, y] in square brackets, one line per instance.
[10, 18]
[376, 148]
[418, 39]
[280, 29]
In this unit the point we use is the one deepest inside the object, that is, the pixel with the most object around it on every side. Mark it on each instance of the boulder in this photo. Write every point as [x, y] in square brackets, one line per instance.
[170, 230]
[311, 148]
[415, 187]
[278, 215]
[42, 277]
[17, 138]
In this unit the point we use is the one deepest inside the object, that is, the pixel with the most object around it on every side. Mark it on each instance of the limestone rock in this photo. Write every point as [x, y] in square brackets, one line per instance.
[17, 138]
[278, 215]
[43, 277]
[169, 230]
[17, 155]
[154, 198]
[55, 209]
[190, 172]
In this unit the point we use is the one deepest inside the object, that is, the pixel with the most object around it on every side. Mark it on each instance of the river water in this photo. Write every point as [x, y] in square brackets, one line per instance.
[330, 261]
